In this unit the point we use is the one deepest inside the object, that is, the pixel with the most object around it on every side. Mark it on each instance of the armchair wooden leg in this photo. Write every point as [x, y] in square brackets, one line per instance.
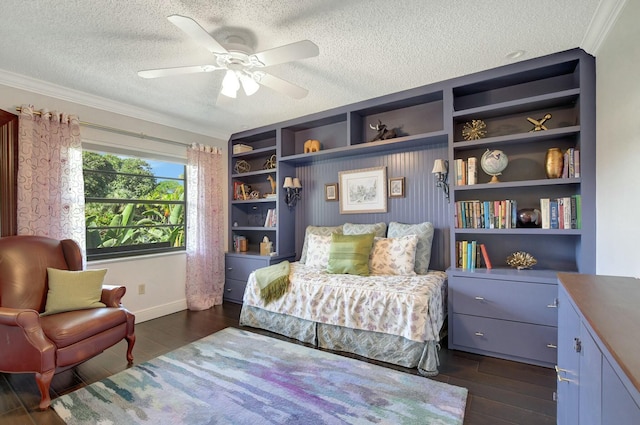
[44, 382]
[131, 340]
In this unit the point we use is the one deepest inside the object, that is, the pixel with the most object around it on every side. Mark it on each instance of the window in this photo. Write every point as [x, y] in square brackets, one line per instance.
[133, 206]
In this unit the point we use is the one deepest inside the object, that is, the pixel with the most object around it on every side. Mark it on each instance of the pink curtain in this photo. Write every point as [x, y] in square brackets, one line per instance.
[205, 228]
[50, 182]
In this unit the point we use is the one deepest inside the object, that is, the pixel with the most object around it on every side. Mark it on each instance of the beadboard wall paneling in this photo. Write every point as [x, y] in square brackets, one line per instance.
[423, 201]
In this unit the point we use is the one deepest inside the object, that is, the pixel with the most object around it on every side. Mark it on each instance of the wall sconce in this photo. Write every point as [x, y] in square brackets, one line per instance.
[441, 172]
[293, 187]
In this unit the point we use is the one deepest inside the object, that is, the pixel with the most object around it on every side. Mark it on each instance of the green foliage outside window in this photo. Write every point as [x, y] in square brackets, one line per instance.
[130, 210]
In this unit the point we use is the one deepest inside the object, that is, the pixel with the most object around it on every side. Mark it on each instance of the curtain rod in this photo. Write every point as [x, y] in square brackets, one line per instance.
[121, 131]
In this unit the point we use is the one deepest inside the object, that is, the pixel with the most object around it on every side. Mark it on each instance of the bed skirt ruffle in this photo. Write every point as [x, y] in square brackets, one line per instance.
[373, 345]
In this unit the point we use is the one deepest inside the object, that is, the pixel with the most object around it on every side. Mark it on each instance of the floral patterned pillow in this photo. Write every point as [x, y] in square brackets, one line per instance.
[424, 231]
[318, 251]
[380, 229]
[393, 256]
[316, 230]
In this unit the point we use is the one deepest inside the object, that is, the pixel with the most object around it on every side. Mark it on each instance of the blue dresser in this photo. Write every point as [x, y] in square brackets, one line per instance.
[504, 313]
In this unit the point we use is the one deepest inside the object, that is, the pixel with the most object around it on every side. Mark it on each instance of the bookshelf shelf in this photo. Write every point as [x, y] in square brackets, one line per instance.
[255, 228]
[259, 152]
[254, 201]
[519, 184]
[398, 144]
[544, 101]
[254, 173]
[519, 231]
[513, 139]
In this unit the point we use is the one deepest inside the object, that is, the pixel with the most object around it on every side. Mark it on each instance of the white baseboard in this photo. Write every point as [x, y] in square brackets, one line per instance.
[160, 310]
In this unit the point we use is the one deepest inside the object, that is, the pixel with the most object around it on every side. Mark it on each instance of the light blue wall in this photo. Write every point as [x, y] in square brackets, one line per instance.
[423, 201]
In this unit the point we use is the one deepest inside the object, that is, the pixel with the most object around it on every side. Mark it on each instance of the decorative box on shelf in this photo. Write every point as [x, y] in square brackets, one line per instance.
[240, 148]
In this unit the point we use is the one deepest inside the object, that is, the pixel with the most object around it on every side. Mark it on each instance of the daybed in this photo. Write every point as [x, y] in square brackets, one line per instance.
[394, 315]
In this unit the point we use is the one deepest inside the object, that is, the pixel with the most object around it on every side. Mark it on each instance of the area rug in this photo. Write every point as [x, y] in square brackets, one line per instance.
[239, 377]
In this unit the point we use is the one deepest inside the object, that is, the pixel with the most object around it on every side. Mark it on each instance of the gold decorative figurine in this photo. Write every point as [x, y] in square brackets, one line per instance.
[474, 130]
[242, 166]
[538, 125]
[270, 163]
[273, 184]
[521, 260]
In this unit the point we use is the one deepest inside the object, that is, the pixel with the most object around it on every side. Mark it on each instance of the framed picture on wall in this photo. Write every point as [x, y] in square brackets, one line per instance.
[363, 191]
[331, 192]
[396, 187]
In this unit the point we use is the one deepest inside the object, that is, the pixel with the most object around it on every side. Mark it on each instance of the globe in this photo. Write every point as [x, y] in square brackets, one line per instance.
[493, 162]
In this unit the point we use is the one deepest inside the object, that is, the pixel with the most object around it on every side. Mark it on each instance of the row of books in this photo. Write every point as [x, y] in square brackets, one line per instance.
[465, 171]
[471, 255]
[502, 214]
[561, 213]
[571, 163]
[271, 219]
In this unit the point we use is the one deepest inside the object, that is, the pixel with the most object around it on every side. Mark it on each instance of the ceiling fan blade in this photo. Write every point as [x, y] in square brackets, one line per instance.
[289, 52]
[166, 72]
[282, 86]
[195, 31]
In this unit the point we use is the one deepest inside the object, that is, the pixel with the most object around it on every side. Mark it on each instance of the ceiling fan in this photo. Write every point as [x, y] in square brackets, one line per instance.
[243, 67]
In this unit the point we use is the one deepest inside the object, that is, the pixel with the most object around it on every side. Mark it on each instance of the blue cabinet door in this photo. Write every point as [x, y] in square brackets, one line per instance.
[568, 367]
[590, 380]
[618, 407]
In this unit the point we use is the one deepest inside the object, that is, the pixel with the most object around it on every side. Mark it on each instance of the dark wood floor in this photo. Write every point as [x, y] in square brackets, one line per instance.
[500, 392]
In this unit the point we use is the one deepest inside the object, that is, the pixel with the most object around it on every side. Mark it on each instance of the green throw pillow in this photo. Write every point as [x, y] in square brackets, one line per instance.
[349, 254]
[73, 290]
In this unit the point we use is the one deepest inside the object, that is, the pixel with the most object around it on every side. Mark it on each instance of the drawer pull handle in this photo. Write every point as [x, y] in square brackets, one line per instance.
[229, 268]
[552, 346]
[480, 298]
[228, 289]
[560, 378]
[554, 305]
[479, 334]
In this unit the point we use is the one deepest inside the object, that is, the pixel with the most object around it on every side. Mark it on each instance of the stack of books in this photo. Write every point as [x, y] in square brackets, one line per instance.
[465, 171]
[561, 213]
[471, 255]
[271, 219]
[571, 164]
[475, 214]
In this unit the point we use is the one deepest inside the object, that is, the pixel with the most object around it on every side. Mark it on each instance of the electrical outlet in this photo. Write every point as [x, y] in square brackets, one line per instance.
[141, 289]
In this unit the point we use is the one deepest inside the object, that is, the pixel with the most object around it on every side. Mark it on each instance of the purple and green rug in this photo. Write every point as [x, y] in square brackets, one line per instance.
[239, 377]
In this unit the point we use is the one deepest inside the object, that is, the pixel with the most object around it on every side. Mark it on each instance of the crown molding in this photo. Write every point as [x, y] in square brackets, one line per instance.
[75, 96]
[601, 23]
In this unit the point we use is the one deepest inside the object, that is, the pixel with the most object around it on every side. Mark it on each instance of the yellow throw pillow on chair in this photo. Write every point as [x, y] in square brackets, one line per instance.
[73, 290]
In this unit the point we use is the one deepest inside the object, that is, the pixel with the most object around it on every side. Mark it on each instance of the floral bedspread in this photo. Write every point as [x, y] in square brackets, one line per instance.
[408, 306]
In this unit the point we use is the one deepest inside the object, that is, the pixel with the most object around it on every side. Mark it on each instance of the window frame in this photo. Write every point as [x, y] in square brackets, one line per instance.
[125, 251]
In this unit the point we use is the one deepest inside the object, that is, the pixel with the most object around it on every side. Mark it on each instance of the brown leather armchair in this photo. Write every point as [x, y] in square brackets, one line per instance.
[45, 345]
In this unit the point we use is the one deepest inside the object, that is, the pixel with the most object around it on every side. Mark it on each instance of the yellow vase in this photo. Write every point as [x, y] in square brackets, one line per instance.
[553, 163]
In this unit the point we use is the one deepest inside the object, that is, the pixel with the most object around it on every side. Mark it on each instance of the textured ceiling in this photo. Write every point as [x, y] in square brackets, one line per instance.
[368, 48]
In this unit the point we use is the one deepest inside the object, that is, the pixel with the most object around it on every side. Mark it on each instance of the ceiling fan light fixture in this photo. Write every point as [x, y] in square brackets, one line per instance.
[249, 85]
[255, 62]
[240, 62]
[230, 84]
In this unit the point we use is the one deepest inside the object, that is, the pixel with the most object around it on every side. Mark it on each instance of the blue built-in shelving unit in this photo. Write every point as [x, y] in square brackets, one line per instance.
[501, 312]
